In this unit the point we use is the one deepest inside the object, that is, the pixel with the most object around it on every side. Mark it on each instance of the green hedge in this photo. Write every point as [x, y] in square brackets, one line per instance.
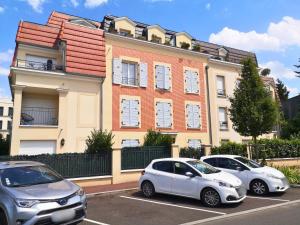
[191, 153]
[231, 148]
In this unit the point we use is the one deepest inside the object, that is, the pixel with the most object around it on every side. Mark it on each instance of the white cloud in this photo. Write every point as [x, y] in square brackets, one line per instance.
[293, 91]
[4, 71]
[207, 6]
[6, 56]
[278, 70]
[1, 9]
[37, 5]
[75, 3]
[277, 37]
[94, 3]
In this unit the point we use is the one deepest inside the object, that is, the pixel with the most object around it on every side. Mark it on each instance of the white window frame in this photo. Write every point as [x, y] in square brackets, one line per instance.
[130, 145]
[136, 80]
[221, 92]
[223, 125]
[193, 140]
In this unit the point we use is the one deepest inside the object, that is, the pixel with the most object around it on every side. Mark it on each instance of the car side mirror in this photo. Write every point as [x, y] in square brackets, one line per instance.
[239, 168]
[189, 174]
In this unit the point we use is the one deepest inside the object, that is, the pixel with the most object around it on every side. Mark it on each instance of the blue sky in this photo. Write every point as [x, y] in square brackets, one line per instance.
[270, 28]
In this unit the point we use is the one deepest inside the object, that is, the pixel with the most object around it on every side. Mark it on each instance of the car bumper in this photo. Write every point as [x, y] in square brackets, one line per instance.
[278, 185]
[233, 195]
[52, 213]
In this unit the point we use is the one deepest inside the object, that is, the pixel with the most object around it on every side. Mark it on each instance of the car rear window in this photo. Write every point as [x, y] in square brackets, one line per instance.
[27, 176]
[165, 166]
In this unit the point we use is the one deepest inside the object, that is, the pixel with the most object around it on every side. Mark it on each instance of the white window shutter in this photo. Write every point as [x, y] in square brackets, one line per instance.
[143, 74]
[130, 143]
[159, 76]
[117, 71]
[195, 82]
[159, 114]
[167, 77]
[167, 115]
[194, 143]
[187, 79]
[125, 112]
[190, 118]
[197, 116]
[134, 113]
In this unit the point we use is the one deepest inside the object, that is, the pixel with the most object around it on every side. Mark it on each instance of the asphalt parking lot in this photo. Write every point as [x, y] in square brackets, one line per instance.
[131, 208]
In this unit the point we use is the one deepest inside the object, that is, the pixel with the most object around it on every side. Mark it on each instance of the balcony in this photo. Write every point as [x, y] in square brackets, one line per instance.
[49, 65]
[223, 125]
[39, 116]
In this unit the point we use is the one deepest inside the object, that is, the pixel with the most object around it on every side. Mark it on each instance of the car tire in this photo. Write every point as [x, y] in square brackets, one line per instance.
[3, 220]
[210, 197]
[259, 187]
[148, 189]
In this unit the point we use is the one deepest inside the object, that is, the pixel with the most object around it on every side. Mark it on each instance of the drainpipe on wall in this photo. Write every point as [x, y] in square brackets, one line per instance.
[208, 105]
[101, 104]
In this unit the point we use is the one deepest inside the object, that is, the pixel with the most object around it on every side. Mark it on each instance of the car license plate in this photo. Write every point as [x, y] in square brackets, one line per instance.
[64, 215]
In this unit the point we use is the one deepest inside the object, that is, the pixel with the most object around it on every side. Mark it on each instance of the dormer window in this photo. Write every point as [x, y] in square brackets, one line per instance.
[126, 33]
[125, 26]
[156, 34]
[223, 53]
[156, 39]
[183, 40]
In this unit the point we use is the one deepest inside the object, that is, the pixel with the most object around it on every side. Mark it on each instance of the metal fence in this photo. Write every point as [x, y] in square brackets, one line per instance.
[140, 157]
[72, 165]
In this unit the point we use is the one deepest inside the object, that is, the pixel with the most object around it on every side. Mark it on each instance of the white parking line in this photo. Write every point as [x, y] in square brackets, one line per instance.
[108, 192]
[95, 222]
[173, 205]
[266, 198]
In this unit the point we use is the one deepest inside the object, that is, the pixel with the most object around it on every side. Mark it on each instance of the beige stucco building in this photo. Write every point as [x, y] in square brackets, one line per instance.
[6, 111]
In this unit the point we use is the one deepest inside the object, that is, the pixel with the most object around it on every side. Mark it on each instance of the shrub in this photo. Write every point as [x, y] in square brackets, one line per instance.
[99, 141]
[230, 148]
[191, 153]
[291, 173]
[167, 43]
[196, 48]
[154, 138]
[185, 45]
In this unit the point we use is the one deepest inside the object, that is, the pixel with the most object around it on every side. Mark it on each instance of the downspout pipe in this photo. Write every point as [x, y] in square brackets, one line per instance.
[208, 105]
[101, 104]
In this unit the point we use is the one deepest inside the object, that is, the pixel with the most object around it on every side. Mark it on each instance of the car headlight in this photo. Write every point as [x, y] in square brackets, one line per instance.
[273, 176]
[80, 192]
[224, 184]
[24, 203]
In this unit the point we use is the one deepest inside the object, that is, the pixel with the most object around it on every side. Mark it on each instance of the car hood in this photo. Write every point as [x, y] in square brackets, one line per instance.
[269, 170]
[224, 177]
[51, 191]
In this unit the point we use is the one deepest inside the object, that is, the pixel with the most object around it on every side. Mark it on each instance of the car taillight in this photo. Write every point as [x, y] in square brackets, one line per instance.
[143, 172]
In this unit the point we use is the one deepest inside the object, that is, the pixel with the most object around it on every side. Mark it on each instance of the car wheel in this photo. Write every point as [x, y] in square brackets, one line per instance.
[259, 187]
[210, 197]
[3, 220]
[148, 189]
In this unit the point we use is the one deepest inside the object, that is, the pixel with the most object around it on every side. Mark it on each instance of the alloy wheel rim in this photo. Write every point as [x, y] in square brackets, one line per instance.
[147, 189]
[211, 198]
[259, 188]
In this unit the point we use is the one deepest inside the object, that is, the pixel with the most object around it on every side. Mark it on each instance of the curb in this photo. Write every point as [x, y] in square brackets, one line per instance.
[113, 192]
[295, 185]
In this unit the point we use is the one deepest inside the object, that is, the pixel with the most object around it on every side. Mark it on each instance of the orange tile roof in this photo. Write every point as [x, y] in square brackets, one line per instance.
[85, 46]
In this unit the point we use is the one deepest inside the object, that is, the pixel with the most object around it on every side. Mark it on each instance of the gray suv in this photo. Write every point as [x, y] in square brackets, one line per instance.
[33, 194]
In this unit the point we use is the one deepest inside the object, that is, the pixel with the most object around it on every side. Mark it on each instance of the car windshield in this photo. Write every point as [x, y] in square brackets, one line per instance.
[203, 167]
[27, 176]
[248, 162]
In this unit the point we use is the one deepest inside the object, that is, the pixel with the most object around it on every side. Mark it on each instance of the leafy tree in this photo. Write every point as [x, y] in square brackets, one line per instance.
[291, 128]
[253, 111]
[154, 138]
[99, 141]
[282, 91]
[298, 69]
[265, 72]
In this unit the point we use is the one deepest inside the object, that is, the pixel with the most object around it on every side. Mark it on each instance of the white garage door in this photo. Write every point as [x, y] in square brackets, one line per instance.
[37, 147]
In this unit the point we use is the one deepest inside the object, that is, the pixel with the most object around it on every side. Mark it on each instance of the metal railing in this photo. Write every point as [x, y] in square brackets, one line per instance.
[48, 66]
[223, 125]
[129, 81]
[221, 92]
[39, 116]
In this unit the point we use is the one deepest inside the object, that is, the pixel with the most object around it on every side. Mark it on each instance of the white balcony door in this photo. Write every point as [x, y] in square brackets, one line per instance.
[37, 147]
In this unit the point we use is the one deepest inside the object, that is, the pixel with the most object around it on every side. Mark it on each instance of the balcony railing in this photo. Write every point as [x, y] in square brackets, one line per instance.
[39, 116]
[48, 66]
[221, 92]
[223, 125]
[129, 81]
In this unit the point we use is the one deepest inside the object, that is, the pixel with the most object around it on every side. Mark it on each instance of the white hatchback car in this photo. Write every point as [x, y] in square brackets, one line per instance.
[191, 178]
[256, 178]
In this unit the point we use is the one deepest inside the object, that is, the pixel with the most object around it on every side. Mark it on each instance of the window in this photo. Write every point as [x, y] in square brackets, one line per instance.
[130, 143]
[193, 116]
[125, 32]
[221, 86]
[1, 123]
[129, 73]
[191, 79]
[1, 111]
[10, 111]
[162, 77]
[211, 161]
[223, 118]
[164, 166]
[163, 115]
[194, 143]
[182, 169]
[130, 113]
[8, 125]
[228, 163]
